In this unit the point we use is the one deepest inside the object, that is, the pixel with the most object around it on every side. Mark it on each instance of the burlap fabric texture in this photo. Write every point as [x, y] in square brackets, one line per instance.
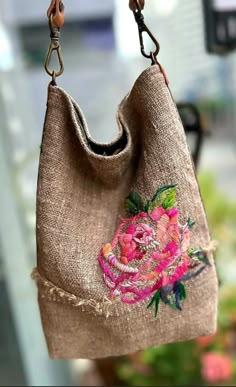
[80, 200]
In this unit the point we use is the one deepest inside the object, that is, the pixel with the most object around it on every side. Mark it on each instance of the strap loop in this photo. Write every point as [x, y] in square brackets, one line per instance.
[56, 9]
[133, 4]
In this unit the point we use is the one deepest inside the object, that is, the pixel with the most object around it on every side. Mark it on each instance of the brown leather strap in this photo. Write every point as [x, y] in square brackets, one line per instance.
[133, 4]
[57, 9]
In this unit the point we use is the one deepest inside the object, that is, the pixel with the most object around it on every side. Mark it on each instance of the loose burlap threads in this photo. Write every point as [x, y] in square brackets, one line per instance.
[81, 191]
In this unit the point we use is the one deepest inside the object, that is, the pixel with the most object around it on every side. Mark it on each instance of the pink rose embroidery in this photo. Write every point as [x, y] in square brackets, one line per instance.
[143, 234]
[150, 254]
[157, 213]
[126, 241]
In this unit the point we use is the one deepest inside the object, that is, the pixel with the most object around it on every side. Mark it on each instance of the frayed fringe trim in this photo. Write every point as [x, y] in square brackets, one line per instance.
[55, 294]
[212, 247]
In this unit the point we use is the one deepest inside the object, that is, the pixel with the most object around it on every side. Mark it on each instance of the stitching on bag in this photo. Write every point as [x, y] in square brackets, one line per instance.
[55, 294]
[151, 253]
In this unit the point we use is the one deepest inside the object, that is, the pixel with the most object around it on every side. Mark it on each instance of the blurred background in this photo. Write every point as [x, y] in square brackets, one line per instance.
[102, 60]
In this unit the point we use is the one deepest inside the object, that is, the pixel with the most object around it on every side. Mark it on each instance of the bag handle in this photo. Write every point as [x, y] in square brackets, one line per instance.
[56, 17]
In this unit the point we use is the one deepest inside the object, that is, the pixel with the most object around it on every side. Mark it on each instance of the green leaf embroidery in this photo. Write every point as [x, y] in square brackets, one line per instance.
[200, 254]
[172, 298]
[155, 299]
[190, 222]
[170, 199]
[182, 291]
[147, 206]
[169, 299]
[134, 203]
[194, 251]
[204, 258]
[157, 306]
[165, 197]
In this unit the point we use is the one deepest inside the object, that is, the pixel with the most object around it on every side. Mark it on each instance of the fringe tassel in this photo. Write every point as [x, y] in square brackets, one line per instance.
[212, 247]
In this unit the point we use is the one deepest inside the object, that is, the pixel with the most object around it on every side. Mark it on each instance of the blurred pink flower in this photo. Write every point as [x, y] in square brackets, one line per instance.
[216, 367]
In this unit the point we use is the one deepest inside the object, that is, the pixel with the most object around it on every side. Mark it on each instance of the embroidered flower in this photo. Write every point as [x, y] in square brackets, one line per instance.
[127, 244]
[143, 234]
[157, 213]
[150, 254]
[126, 240]
[172, 212]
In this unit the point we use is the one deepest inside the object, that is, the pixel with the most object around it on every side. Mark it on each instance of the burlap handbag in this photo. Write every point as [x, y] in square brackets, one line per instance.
[124, 252]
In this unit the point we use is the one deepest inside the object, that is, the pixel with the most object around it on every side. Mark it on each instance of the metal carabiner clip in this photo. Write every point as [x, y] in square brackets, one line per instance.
[139, 18]
[54, 46]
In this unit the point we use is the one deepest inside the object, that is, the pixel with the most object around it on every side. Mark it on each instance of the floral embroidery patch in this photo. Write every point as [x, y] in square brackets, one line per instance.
[150, 254]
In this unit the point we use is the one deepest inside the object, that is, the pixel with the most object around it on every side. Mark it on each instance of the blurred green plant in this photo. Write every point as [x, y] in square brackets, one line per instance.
[207, 360]
[167, 365]
[214, 105]
[221, 214]
[220, 209]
